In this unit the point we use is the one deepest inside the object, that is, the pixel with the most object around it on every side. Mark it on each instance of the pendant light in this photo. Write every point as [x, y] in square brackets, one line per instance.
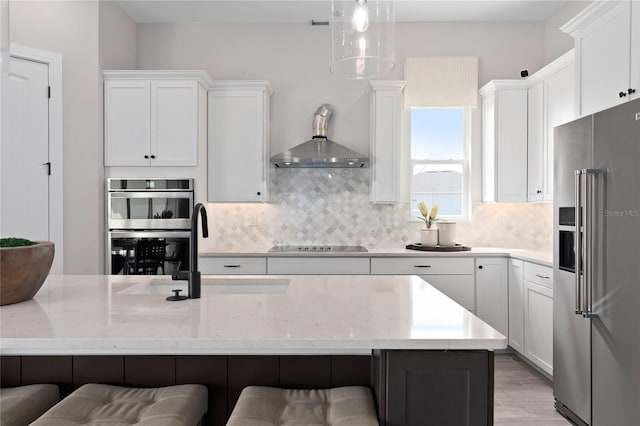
[362, 38]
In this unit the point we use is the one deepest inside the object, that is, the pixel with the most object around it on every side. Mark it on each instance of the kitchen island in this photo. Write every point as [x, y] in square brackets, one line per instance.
[394, 332]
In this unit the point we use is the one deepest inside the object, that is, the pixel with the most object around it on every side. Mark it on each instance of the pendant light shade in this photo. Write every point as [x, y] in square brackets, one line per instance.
[362, 38]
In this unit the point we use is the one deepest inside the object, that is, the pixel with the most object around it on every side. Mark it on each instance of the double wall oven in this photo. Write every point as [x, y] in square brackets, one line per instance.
[148, 225]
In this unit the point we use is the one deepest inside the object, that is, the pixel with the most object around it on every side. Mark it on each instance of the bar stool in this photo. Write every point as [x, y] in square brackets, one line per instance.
[93, 403]
[21, 405]
[267, 406]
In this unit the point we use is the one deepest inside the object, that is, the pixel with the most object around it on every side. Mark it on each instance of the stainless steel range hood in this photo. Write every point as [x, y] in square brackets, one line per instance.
[320, 151]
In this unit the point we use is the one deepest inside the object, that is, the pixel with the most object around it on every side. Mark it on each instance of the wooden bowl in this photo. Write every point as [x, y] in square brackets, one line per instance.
[23, 271]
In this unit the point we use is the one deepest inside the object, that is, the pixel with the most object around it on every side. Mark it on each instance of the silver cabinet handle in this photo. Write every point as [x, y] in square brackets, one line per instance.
[578, 241]
[542, 276]
[232, 266]
[422, 266]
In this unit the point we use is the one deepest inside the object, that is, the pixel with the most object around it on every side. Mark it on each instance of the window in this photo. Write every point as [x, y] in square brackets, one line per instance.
[440, 161]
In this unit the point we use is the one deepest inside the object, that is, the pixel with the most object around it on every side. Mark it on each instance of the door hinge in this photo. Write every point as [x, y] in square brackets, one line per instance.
[49, 92]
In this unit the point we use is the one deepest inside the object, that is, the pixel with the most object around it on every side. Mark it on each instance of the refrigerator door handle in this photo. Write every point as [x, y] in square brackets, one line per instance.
[589, 197]
[578, 242]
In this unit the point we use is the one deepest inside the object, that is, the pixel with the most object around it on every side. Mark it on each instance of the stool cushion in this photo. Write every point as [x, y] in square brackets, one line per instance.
[93, 404]
[23, 404]
[266, 406]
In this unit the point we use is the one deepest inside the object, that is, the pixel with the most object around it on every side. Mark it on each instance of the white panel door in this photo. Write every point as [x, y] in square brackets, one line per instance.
[535, 142]
[559, 109]
[237, 148]
[511, 137]
[538, 325]
[174, 123]
[516, 305]
[127, 135]
[492, 293]
[25, 153]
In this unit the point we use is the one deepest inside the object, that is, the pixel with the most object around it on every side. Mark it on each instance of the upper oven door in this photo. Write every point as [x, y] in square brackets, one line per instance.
[150, 210]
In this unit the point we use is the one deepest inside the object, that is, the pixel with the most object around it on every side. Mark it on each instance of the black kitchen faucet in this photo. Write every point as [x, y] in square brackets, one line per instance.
[193, 275]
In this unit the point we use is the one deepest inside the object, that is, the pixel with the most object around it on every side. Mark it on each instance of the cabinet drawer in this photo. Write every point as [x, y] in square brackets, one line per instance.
[421, 266]
[233, 265]
[537, 274]
[318, 265]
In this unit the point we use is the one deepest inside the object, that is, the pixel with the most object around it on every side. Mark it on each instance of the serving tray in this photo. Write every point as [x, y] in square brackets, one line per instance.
[418, 246]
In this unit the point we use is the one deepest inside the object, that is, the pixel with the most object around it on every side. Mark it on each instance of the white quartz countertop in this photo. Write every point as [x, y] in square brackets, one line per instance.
[240, 315]
[542, 258]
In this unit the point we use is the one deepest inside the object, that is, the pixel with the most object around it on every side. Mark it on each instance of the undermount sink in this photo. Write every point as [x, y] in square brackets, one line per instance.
[166, 286]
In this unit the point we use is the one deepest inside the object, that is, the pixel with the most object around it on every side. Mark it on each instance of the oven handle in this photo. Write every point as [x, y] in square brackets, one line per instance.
[149, 234]
[125, 195]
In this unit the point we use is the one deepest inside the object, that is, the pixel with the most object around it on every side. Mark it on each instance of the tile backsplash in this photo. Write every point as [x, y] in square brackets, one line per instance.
[331, 206]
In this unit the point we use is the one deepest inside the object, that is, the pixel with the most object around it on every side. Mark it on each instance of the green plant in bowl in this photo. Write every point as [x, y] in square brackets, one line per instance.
[15, 242]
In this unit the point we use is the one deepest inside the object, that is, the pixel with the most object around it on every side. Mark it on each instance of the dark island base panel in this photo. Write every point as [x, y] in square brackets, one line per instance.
[422, 387]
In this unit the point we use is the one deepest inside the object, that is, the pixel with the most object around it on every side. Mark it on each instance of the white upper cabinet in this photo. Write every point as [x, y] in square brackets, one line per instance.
[152, 117]
[385, 100]
[504, 141]
[551, 102]
[607, 40]
[238, 147]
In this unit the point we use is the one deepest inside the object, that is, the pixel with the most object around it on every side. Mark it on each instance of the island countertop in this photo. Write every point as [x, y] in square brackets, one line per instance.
[74, 314]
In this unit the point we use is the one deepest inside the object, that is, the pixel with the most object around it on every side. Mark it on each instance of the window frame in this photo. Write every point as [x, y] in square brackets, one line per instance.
[465, 163]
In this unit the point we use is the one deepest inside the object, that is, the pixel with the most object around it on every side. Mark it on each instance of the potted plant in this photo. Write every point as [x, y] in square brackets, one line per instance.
[428, 235]
[24, 265]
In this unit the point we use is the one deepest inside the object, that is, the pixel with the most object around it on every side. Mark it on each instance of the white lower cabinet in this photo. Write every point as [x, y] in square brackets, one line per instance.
[538, 316]
[516, 305]
[318, 265]
[452, 276]
[232, 265]
[492, 299]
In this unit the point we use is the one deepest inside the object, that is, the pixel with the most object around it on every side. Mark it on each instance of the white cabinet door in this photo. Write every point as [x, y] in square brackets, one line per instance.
[516, 305]
[559, 108]
[538, 325]
[604, 52]
[318, 265]
[551, 102]
[238, 141]
[535, 143]
[174, 123]
[492, 293]
[127, 122]
[504, 141]
[385, 98]
[153, 118]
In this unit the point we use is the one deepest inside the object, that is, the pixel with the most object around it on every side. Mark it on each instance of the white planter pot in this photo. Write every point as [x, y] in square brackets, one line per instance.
[447, 233]
[429, 237]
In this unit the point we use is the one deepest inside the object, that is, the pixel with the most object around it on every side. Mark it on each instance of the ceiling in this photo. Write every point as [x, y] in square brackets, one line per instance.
[303, 11]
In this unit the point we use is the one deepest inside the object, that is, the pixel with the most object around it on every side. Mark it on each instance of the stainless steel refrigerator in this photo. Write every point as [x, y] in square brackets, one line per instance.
[596, 332]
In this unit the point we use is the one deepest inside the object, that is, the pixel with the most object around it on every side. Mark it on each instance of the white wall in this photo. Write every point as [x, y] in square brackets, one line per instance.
[556, 42]
[117, 38]
[295, 59]
[70, 29]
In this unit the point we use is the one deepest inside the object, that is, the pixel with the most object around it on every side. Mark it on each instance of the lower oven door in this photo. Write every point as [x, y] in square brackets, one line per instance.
[147, 252]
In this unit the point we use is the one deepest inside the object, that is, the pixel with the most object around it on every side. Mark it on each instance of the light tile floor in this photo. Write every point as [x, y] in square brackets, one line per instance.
[522, 395]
